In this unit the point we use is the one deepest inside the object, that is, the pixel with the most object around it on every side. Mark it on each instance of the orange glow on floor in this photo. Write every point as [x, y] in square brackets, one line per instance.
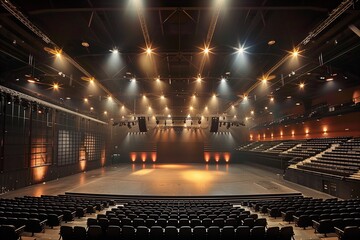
[39, 173]
[82, 165]
[173, 166]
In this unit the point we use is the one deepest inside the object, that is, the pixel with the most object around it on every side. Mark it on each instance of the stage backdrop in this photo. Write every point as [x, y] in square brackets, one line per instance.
[180, 152]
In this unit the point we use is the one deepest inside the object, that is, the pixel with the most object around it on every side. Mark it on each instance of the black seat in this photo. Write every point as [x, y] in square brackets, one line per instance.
[94, 233]
[142, 233]
[213, 233]
[8, 232]
[67, 233]
[113, 232]
[150, 222]
[243, 232]
[248, 222]
[128, 232]
[207, 222]
[257, 233]
[272, 233]
[286, 233]
[324, 226]
[171, 233]
[219, 222]
[349, 233]
[228, 233]
[79, 233]
[185, 233]
[199, 233]
[156, 232]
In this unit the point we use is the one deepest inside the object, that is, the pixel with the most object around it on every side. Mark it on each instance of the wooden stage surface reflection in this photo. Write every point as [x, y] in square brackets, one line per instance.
[171, 180]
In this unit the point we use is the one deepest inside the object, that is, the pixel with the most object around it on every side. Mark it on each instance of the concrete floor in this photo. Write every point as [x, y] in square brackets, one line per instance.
[171, 180]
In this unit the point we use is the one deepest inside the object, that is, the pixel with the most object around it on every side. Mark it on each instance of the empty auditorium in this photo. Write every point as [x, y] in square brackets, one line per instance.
[180, 120]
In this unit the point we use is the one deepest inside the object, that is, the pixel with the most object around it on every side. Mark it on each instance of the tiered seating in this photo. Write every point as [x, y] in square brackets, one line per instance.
[31, 214]
[179, 219]
[344, 160]
[249, 146]
[284, 146]
[312, 147]
[324, 216]
[265, 146]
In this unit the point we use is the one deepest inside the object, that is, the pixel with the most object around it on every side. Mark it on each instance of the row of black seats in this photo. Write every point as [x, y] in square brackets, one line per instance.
[206, 222]
[32, 225]
[10, 232]
[326, 226]
[173, 233]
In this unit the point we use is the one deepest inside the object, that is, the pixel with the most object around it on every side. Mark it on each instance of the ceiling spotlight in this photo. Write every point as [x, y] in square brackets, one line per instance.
[91, 108]
[122, 107]
[58, 53]
[149, 108]
[214, 95]
[55, 86]
[166, 108]
[31, 81]
[191, 108]
[271, 42]
[114, 50]
[295, 53]
[302, 85]
[198, 79]
[206, 50]
[85, 44]
[144, 96]
[206, 108]
[223, 79]
[188, 116]
[86, 100]
[162, 97]
[241, 50]
[158, 79]
[271, 99]
[169, 116]
[105, 112]
[109, 98]
[148, 50]
[252, 112]
[194, 96]
[133, 79]
[245, 97]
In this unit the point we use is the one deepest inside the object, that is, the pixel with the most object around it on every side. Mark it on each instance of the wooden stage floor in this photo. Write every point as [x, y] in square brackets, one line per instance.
[171, 180]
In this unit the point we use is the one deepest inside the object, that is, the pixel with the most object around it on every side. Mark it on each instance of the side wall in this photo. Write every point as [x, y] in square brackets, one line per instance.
[39, 144]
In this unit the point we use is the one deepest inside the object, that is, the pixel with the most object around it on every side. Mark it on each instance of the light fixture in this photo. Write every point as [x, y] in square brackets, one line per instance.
[252, 112]
[241, 50]
[297, 104]
[162, 97]
[194, 96]
[85, 44]
[114, 50]
[31, 81]
[223, 79]
[245, 97]
[91, 108]
[191, 108]
[288, 97]
[206, 50]
[329, 79]
[271, 99]
[109, 98]
[144, 96]
[295, 52]
[206, 108]
[302, 85]
[148, 50]
[158, 79]
[105, 112]
[214, 95]
[86, 100]
[198, 79]
[55, 86]
[271, 42]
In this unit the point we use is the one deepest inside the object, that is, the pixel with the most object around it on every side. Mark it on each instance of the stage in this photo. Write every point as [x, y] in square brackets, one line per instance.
[171, 180]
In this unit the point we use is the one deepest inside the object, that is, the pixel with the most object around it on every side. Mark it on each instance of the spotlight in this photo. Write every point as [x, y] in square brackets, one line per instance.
[105, 112]
[86, 100]
[271, 99]
[241, 50]
[295, 53]
[114, 50]
[245, 97]
[148, 50]
[223, 79]
[198, 79]
[55, 86]
[162, 97]
[302, 85]
[158, 79]
[206, 50]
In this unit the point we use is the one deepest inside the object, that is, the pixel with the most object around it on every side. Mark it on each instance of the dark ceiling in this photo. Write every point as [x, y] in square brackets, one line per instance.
[178, 31]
